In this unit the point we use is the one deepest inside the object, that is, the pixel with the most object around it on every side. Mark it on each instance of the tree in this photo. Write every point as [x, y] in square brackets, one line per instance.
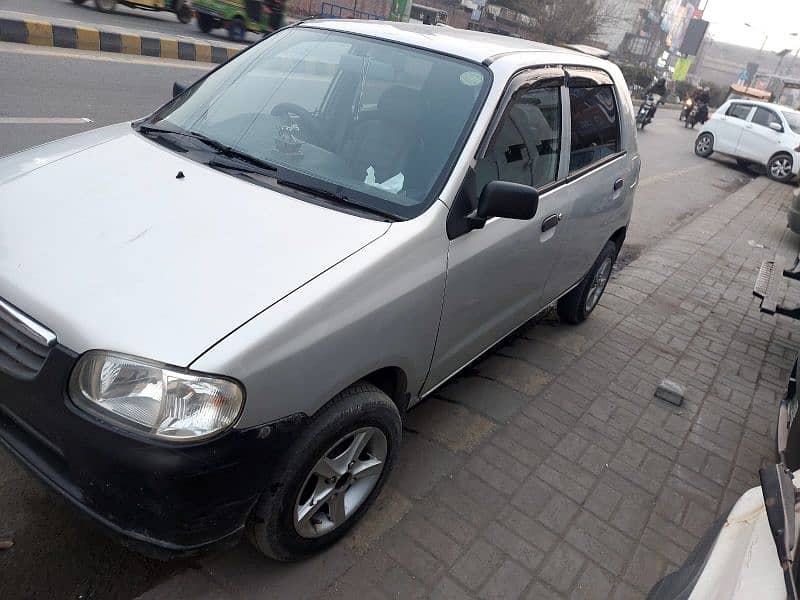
[567, 21]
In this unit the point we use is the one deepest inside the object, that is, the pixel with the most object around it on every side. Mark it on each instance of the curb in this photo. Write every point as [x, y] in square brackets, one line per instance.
[42, 33]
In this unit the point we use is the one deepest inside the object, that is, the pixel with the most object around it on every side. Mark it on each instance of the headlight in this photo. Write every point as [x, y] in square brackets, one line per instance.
[151, 398]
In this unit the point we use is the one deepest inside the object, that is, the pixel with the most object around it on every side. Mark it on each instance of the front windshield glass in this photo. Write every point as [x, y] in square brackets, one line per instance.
[367, 115]
[793, 119]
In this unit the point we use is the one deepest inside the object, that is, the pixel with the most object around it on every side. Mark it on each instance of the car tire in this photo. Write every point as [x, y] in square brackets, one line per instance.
[236, 29]
[205, 23]
[106, 6]
[184, 13]
[779, 168]
[275, 526]
[704, 145]
[578, 304]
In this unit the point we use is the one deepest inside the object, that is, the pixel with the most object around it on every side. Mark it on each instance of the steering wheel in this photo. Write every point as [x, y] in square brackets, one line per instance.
[308, 122]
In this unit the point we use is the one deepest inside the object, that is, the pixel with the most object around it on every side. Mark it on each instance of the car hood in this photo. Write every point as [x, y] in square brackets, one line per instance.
[102, 243]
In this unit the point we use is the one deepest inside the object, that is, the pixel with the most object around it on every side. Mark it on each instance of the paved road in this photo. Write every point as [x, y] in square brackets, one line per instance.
[130, 18]
[56, 553]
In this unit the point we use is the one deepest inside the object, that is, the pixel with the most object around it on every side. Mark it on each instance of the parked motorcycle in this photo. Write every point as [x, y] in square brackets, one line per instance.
[643, 117]
[698, 114]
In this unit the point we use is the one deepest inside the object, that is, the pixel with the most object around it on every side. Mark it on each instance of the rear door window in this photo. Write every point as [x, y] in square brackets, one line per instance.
[739, 111]
[595, 125]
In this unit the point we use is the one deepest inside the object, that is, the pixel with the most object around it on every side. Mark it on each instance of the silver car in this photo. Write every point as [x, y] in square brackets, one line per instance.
[213, 319]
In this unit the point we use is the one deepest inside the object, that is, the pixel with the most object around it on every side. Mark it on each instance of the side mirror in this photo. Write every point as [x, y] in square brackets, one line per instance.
[504, 199]
[776, 126]
[178, 89]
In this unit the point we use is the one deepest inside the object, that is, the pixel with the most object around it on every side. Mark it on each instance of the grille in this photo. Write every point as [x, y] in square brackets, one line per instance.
[24, 343]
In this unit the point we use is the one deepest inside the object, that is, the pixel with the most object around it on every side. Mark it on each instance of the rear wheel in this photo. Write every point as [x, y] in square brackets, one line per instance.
[204, 22]
[236, 29]
[184, 13]
[704, 145]
[333, 473]
[779, 167]
[105, 6]
[576, 306]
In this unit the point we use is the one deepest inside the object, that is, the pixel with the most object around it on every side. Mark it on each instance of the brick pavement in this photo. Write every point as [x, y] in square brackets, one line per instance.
[548, 470]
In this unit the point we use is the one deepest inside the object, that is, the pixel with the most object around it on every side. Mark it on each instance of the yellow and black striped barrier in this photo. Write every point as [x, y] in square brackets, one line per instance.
[42, 33]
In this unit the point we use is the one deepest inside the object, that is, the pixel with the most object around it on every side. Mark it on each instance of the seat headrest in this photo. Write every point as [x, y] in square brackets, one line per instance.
[399, 103]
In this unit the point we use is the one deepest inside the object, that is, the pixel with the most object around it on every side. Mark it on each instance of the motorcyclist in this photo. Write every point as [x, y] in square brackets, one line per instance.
[701, 99]
[657, 91]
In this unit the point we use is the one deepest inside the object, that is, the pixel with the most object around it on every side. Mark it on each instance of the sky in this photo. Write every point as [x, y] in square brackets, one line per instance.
[776, 18]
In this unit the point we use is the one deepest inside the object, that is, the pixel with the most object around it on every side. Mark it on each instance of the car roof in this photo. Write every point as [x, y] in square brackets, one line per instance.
[472, 45]
[763, 104]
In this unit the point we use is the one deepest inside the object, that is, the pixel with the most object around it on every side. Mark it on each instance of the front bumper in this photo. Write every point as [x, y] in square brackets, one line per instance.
[162, 499]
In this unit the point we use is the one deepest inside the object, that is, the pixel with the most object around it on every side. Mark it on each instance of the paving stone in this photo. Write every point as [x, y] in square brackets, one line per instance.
[593, 583]
[516, 547]
[507, 583]
[539, 591]
[514, 373]
[529, 529]
[645, 569]
[562, 567]
[496, 401]
[602, 501]
[477, 564]
[558, 513]
[445, 589]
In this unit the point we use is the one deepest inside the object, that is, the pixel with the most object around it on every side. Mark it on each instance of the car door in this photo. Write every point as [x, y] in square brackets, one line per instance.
[599, 177]
[759, 141]
[496, 275]
[728, 127]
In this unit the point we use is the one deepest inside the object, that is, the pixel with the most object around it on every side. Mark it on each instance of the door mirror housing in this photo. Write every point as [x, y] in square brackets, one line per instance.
[504, 199]
[776, 127]
[178, 89]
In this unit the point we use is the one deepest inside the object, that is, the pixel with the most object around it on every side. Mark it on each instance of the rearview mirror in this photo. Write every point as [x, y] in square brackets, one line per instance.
[178, 89]
[504, 199]
[776, 126]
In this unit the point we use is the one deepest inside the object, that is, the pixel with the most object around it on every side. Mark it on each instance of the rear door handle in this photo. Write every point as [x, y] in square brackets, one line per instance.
[551, 222]
[618, 184]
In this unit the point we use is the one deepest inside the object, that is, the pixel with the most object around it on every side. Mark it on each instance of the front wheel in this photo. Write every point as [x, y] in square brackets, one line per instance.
[333, 473]
[105, 6]
[780, 168]
[576, 306]
[704, 145]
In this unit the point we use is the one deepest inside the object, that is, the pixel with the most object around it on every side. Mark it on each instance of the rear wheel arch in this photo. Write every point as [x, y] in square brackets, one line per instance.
[619, 237]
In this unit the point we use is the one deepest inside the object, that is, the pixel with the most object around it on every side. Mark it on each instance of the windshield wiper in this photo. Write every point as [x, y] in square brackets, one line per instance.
[221, 148]
[306, 183]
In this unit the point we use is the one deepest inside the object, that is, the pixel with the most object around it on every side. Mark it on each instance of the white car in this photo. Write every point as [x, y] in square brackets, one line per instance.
[754, 132]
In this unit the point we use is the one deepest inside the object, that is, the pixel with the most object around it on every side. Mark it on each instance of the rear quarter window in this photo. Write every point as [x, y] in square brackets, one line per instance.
[595, 125]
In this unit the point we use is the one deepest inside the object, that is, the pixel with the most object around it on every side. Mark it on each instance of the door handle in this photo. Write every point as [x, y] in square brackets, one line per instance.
[551, 222]
[618, 184]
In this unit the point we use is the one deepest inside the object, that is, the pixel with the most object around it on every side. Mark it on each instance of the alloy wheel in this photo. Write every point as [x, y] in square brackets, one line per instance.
[340, 482]
[781, 167]
[599, 284]
[703, 145]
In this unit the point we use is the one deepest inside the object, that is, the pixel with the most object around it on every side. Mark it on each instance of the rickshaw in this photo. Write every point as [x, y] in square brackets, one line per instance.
[181, 8]
[239, 16]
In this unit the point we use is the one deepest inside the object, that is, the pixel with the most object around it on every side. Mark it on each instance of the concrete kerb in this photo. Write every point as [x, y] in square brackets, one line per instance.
[43, 33]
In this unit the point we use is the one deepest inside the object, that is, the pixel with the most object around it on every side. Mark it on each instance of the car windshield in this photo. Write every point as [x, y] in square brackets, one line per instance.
[354, 113]
[793, 119]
